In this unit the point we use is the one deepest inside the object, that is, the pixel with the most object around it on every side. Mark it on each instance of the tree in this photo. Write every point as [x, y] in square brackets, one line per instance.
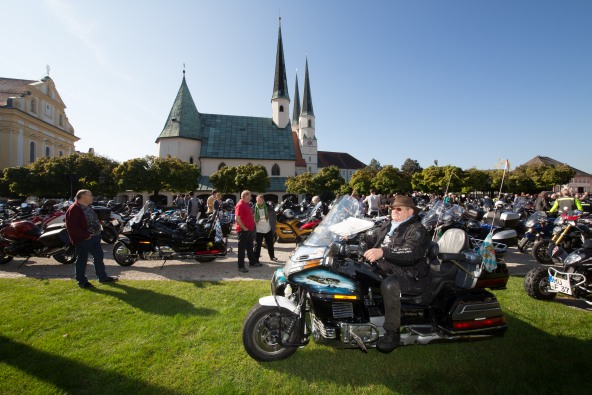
[301, 184]
[361, 180]
[435, 179]
[410, 167]
[374, 165]
[327, 182]
[535, 178]
[390, 180]
[16, 180]
[224, 179]
[231, 179]
[157, 174]
[476, 180]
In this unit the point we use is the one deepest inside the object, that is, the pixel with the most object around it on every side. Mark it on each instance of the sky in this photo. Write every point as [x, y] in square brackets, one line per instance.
[468, 83]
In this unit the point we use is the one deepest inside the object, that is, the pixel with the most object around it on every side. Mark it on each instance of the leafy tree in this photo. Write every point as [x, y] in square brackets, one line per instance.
[361, 180]
[410, 167]
[301, 184]
[157, 174]
[327, 182]
[252, 177]
[16, 180]
[374, 165]
[476, 180]
[534, 178]
[224, 179]
[434, 179]
[391, 180]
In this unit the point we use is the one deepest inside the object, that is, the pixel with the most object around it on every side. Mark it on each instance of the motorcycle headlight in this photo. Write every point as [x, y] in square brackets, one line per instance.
[572, 258]
[557, 230]
[529, 223]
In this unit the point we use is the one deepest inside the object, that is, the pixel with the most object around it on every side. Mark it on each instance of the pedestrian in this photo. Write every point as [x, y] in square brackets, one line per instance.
[84, 231]
[211, 200]
[265, 227]
[218, 202]
[180, 201]
[541, 203]
[193, 206]
[245, 229]
[372, 202]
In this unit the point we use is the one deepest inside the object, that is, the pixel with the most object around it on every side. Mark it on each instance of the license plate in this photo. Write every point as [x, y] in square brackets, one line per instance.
[560, 285]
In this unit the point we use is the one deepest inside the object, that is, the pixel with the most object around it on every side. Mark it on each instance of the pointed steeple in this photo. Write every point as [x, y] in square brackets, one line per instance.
[184, 119]
[296, 111]
[306, 96]
[280, 84]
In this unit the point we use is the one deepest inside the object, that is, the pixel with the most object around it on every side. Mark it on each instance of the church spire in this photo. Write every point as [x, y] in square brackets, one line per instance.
[296, 111]
[306, 96]
[280, 84]
[184, 119]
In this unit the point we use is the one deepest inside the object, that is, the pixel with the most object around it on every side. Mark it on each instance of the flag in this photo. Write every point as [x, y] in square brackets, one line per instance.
[487, 252]
[219, 234]
[507, 165]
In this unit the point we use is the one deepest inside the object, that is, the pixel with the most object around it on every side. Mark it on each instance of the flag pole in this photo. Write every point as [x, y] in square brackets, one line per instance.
[503, 177]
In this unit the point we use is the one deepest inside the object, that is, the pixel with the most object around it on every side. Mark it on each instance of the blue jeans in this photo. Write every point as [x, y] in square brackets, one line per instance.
[91, 246]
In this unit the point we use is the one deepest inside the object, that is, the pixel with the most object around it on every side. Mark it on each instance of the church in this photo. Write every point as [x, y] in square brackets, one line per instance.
[285, 146]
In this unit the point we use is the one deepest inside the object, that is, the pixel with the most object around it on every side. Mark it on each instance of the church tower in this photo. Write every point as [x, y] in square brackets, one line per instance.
[280, 100]
[296, 110]
[306, 133]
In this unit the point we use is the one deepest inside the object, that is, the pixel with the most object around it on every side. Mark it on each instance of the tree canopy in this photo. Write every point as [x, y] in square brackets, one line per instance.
[230, 179]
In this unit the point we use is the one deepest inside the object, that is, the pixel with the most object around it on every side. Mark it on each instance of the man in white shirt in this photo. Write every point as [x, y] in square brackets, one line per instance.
[372, 201]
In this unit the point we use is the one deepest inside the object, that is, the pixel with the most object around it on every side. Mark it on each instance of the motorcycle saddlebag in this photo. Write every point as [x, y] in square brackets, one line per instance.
[474, 214]
[55, 238]
[508, 237]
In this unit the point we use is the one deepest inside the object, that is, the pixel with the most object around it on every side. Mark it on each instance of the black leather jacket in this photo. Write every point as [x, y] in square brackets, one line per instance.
[408, 244]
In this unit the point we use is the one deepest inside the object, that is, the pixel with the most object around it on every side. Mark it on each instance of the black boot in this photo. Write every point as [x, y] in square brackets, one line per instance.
[388, 342]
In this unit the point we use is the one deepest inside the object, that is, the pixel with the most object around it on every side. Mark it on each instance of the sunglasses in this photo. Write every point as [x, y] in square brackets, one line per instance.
[399, 208]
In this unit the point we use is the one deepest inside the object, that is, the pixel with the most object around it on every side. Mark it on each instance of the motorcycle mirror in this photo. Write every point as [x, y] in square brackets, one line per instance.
[335, 248]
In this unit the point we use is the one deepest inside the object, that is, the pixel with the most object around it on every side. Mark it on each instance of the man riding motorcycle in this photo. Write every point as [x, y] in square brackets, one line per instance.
[404, 257]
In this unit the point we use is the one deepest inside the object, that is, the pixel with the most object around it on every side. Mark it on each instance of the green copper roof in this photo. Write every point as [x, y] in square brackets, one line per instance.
[306, 96]
[280, 83]
[238, 137]
[184, 119]
[296, 111]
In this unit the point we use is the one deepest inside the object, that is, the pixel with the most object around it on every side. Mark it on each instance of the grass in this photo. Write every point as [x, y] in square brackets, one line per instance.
[167, 337]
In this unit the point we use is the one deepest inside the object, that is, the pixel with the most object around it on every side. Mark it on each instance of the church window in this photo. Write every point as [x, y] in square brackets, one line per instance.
[309, 123]
[191, 159]
[47, 152]
[33, 106]
[221, 165]
[32, 149]
[275, 170]
[61, 122]
[61, 153]
[281, 108]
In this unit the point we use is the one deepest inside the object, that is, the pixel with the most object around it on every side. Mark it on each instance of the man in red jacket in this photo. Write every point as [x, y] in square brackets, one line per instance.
[84, 230]
[245, 229]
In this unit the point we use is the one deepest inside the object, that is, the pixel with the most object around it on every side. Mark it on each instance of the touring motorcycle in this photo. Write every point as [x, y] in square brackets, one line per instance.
[146, 237]
[574, 279]
[327, 291]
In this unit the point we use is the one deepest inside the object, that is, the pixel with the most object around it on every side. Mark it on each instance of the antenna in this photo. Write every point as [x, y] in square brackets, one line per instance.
[47, 69]
[183, 69]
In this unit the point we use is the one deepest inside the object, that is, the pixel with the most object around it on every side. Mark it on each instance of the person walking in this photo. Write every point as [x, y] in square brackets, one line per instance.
[193, 206]
[265, 226]
[245, 229]
[84, 231]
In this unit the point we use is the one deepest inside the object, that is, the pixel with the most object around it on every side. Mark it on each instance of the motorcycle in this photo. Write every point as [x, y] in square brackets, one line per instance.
[288, 228]
[25, 239]
[568, 234]
[328, 292]
[539, 226]
[575, 279]
[148, 238]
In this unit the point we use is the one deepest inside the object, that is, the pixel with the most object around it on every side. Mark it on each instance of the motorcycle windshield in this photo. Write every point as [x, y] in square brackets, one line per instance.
[431, 218]
[536, 217]
[136, 219]
[345, 218]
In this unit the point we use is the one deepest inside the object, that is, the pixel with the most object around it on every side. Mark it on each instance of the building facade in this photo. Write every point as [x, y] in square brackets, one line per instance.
[33, 122]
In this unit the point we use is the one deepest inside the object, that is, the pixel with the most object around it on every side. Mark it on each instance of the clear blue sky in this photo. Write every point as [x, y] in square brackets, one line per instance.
[466, 82]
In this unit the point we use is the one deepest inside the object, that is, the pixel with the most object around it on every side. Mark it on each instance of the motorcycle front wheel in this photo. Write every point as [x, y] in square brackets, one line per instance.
[109, 234]
[525, 244]
[123, 255]
[539, 252]
[258, 337]
[67, 257]
[536, 284]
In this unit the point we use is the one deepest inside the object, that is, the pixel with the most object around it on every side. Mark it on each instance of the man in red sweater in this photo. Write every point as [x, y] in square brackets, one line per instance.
[84, 230]
[245, 229]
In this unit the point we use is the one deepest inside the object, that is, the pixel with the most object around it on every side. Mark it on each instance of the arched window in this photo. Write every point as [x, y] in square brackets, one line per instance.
[281, 108]
[275, 170]
[47, 152]
[32, 153]
[191, 159]
[309, 123]
[221, 165]
[33, 105]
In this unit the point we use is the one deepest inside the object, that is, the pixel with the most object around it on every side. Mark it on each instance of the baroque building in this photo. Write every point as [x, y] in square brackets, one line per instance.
[33, 122]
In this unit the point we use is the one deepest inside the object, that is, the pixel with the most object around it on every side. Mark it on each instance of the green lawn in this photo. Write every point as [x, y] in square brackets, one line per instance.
[185, 337]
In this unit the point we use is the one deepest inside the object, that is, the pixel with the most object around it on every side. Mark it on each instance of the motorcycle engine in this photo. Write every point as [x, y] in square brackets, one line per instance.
[11, 250]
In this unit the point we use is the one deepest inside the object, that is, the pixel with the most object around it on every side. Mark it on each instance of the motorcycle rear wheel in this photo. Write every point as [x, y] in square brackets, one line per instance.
[4, 259]
[536, 284]
[109, 234]
[123, 255]
[539, 252]
[67, 257]
[257, 338]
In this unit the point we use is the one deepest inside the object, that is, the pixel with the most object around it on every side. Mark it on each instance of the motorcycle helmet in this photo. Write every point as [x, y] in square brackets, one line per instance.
[473, 225]
[499, 204]
[288, 213]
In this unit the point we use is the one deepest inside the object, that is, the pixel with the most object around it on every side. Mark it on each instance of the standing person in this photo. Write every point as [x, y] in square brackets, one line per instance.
[218, 202]
[84, 231]
[180, 201]
[211, 200]
[565, 203]
[405, 257]
[193, 206]
[245, 229]
[541, 203]
[265, 226]
[373, 203]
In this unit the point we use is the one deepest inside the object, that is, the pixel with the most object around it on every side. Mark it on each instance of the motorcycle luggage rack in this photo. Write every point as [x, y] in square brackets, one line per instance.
[500, 248]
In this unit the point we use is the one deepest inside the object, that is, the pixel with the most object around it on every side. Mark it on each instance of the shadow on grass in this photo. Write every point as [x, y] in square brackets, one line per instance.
[526, 360]
[68, 375]
[153, 302]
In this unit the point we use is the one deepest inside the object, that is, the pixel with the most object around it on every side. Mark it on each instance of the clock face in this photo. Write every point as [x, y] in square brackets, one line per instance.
[309, 142]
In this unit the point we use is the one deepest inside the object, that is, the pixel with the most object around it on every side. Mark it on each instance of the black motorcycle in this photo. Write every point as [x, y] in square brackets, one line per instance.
[146, 237]
[328, 292]
[568, 233]
[574, 279]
